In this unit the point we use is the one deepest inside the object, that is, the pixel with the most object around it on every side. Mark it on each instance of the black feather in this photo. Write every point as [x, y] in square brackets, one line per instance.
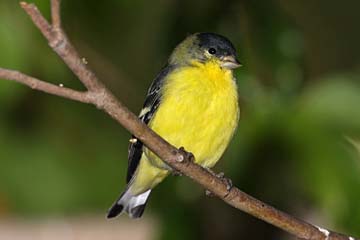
[115, 210]
[138, 211]
[152, 102]
[222, 45]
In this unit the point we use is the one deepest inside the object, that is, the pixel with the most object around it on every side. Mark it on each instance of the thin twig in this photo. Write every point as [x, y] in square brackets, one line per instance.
[39, 85]
[178, 159]
[38, 19]
[61, 45]
[55, 14]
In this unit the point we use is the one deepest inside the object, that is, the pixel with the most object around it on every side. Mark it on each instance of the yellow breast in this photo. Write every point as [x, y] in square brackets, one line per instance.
[198, 111]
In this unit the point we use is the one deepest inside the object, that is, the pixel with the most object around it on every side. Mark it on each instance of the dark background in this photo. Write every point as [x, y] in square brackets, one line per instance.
[295, 147]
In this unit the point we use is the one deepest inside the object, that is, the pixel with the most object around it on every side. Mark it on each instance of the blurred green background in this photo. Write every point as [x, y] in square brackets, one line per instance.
[294, 148]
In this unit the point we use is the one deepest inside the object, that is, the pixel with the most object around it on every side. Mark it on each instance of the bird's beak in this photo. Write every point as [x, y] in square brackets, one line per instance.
[230, 62]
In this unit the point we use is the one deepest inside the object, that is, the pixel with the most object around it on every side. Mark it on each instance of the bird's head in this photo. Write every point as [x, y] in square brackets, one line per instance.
[205, 47]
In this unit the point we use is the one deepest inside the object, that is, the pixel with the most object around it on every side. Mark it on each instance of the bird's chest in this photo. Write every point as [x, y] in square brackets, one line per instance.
[199, 111]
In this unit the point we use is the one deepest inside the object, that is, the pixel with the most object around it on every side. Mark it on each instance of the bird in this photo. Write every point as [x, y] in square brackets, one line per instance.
[192, 103]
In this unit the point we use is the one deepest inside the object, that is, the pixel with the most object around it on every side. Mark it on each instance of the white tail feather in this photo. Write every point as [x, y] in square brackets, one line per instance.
[131, 202]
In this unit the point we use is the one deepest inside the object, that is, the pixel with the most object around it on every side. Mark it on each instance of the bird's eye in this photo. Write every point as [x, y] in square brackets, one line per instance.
[212, 51]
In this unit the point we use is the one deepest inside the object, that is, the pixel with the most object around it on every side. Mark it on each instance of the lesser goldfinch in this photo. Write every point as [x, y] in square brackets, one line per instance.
[192, 103]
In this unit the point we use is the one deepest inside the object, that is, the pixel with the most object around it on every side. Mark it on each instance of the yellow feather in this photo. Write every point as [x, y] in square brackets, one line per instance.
[198, 111]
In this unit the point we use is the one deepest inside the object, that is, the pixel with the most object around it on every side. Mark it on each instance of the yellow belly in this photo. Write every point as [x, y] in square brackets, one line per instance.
[199, 111]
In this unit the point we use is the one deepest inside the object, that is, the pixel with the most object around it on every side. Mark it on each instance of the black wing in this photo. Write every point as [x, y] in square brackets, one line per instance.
[151, 104]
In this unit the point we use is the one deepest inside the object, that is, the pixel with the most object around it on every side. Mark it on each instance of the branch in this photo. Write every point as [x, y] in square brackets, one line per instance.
[178, 159]
[60, 44]
[55, 14]
[39, 85]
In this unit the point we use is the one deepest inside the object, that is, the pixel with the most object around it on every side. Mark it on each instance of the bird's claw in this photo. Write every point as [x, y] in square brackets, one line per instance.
[209, 193]
[224, 179]
[176, 173]
[188, 155]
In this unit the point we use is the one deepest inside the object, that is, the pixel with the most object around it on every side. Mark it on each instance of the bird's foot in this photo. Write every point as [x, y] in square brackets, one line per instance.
[188, 155]
[184, 158]
[224, 179]
[209, 193]
[176, 173]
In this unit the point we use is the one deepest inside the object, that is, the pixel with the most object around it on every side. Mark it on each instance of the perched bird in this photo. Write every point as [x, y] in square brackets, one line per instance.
[192, 103]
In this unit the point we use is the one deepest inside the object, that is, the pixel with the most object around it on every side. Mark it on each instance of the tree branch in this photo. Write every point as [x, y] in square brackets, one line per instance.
[178, 159]
[39, 85]
[55, 14]
[60, 44]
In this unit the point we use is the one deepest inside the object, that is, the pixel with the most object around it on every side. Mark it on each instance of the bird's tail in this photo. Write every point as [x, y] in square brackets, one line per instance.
[134, 205]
